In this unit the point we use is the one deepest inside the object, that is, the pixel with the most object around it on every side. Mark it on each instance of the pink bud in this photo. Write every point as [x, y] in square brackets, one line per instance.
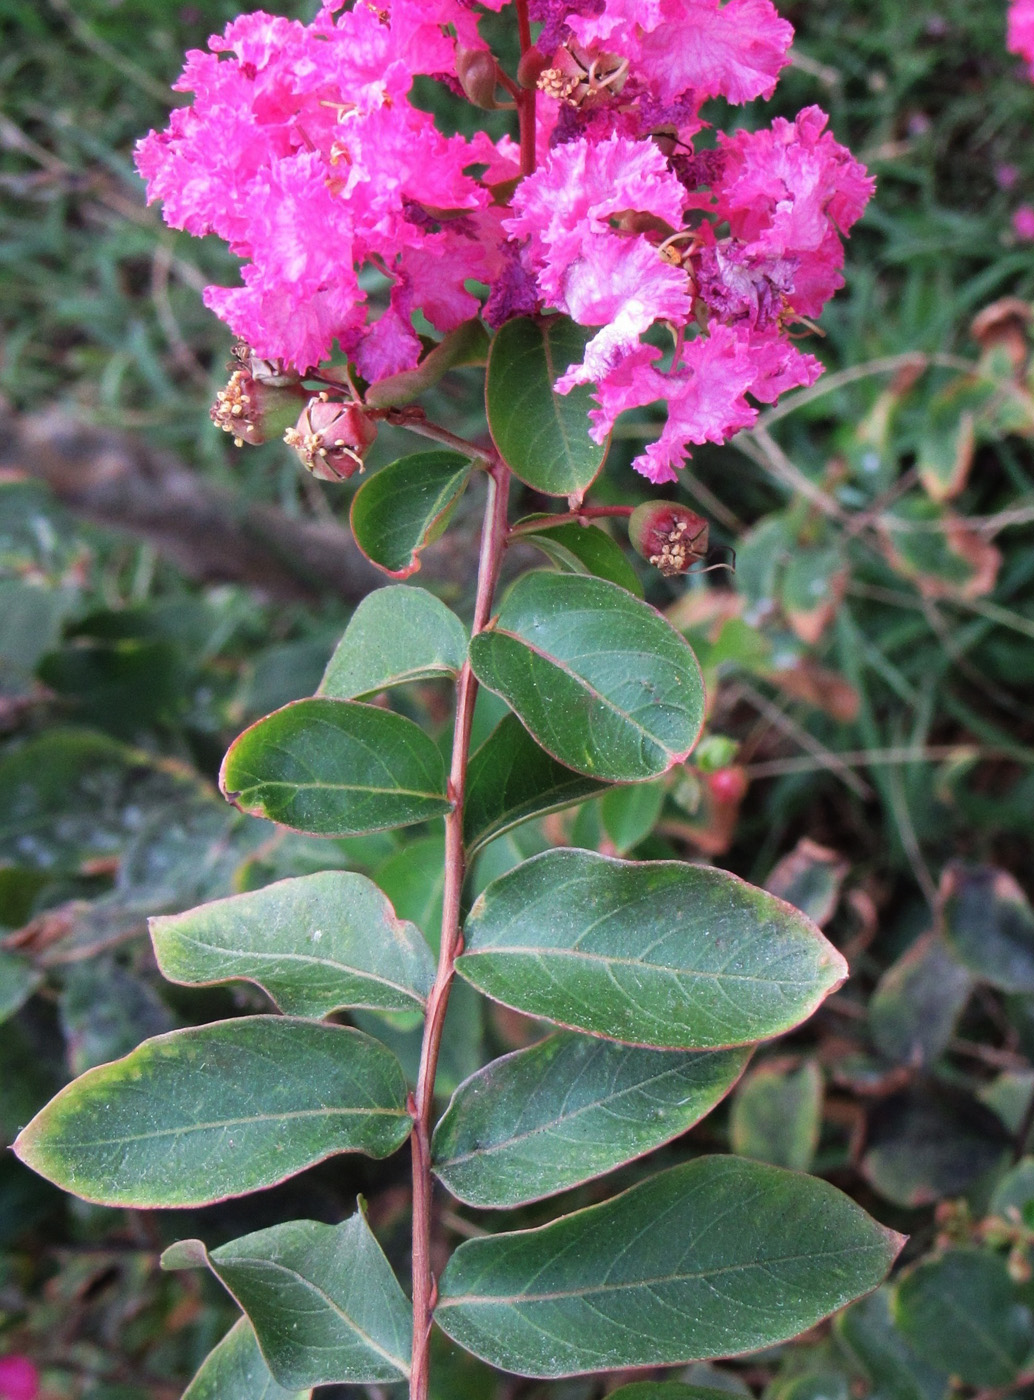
[727, 786]
[668, 536]
[19, 1379]
[531, 67]
[479, 77]
[331, 438]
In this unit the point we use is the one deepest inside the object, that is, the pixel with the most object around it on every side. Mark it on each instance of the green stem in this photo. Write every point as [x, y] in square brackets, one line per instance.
[493, 536]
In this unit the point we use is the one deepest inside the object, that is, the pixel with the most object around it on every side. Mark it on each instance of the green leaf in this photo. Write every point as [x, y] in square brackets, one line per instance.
[917, 1003]
[542, 436]
[510, 779]
[666, 1390]
[314, 944]
[629, 814]
[962, 1313]
[1013, 1197]
[810, 878]
[929, 1142]
[336, 768]
[198, 1115]
[989, 925]
[236, 1370]
[777, 1114]
[73, 797]
[569, 1109]
[406, 506]
[413, 878]
[600, 679]
[466, 345]
[893, 1369]
[396, 634]
[106, 1010]
[581, 549]
[660, 953]
[323, 1300]
[711, 1258]
[18, 980]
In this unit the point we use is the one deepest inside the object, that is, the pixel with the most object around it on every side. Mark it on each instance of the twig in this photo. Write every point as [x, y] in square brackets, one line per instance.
[422, 1105]
[821, 756]
[881, 758]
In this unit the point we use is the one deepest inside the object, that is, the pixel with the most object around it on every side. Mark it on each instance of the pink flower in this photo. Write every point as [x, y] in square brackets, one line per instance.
[19, 1379]
[1020, 38]
[303, 151]
[733, 50]
[1023, 222]
[579, 190]
[624, 286]
[790, 192]
[353, 214]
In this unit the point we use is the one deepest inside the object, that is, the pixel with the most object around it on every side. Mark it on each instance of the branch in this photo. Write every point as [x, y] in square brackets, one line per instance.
[120, 482]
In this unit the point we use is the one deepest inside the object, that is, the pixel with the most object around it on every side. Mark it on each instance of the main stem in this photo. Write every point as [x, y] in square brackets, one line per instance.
[493, 538]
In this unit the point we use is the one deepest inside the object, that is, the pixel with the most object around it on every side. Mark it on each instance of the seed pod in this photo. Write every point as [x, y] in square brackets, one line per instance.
[669, 536]
[479, 76]
[254, 410]
[331, 438]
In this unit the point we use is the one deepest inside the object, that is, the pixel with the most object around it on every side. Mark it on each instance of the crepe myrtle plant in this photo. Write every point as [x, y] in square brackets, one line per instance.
[606, 256]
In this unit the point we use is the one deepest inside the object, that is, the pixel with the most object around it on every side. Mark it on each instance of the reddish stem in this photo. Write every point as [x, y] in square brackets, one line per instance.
[584, 513]
[493, 536]
[526, 99]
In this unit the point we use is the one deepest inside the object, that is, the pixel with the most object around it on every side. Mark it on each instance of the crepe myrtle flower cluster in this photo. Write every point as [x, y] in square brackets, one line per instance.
[695, 261]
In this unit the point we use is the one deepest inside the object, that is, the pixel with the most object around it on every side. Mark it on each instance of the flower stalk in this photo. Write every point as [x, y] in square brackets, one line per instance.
[493, 539]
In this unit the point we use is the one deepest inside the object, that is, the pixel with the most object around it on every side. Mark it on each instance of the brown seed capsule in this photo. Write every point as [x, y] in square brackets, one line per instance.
[478, 73]
[331, 438]
[253, 410]
[668, 536]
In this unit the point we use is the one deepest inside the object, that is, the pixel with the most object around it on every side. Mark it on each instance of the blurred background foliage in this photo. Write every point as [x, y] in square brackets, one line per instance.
[870, 665]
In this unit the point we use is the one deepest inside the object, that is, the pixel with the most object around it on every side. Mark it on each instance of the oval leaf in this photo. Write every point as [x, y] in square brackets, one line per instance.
[962, 1313]
[917, 1003]
[669, 1390]
[198, 1115]
[600, 679]
[323, 1300]
[336, 768]
[313, 944]
[569, 1109]
[581, 549]
[714, 1257]
[510, 779]
[989, 925]
[236, 1370]
[396, 634]
[406, 506]
[542, 436]
[661, 953]
[777, 1115]
[891, 1366]
[18, 980]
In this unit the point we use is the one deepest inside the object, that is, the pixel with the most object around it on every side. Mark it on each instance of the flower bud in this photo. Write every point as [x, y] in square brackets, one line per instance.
[668, 536]
[331, 438]
[254, 410]
[479, 76]
[531, 67]
[19, 1378]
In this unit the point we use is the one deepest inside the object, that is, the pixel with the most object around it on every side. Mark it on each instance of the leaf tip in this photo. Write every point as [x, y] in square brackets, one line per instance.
[184, 1254]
